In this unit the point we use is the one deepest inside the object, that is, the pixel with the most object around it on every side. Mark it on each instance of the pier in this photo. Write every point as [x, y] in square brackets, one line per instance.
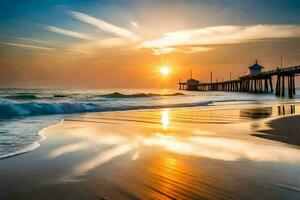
[254, 82]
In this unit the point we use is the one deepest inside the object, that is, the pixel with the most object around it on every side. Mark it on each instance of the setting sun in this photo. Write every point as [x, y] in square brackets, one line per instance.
[165, 70]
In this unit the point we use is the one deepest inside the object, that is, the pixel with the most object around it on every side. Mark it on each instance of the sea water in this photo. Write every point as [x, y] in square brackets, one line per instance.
[24, 112]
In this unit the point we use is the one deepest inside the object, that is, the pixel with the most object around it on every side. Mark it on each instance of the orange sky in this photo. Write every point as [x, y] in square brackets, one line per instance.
[139, 69]
[88, 49]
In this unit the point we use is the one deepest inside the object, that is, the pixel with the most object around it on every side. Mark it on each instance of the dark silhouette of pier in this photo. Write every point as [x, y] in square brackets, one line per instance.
[254, 82]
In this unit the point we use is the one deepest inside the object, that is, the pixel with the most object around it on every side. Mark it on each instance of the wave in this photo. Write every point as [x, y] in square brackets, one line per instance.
[32, 96]
[60, 95]
[10, 110]
[22, 96]
[137, 95]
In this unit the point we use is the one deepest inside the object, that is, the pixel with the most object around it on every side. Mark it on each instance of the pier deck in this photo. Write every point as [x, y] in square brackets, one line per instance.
[258, 83]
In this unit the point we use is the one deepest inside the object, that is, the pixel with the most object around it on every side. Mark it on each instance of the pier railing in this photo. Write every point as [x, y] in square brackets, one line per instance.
[254, 83]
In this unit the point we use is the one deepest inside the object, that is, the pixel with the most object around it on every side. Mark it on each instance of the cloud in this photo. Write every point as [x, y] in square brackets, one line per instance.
[166, 50]
[105, 26]
[221, 35]
[111, 42]
[90, 48]
[197, 49]
[134, 24]
[25, 39]
[69, 33]
[28, 46]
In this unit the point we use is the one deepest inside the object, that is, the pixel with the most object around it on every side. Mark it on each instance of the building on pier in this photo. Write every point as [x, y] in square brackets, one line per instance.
[192, 84]
[255, 69]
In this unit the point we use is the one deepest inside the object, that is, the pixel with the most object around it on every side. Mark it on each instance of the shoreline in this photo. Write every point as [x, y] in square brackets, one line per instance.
[267, 134]
[156, 154]
[34, 145]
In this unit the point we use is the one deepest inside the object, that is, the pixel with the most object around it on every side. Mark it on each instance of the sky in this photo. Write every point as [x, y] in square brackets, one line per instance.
[91, 44]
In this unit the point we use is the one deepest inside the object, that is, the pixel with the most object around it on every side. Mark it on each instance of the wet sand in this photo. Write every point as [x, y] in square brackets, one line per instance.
[285, 129]
[190, 153]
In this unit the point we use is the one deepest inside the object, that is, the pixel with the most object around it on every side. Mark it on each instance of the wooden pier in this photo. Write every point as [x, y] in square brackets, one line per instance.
[254, 82]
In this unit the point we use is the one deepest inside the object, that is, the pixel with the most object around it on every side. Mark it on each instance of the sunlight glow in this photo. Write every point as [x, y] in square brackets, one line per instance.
[165, 70]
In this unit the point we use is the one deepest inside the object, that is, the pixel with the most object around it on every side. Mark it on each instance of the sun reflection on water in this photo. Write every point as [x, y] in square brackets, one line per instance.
[165, 118]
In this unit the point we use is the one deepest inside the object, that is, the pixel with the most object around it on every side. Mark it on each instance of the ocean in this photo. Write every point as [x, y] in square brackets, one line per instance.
[25, 112]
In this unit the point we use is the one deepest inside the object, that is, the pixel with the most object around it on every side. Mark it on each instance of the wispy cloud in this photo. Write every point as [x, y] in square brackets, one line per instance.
[24, 39]
[105, 26]
[111, 42]
[27, 46]
[134, 24]
[197, 49]
[90, 48]
[69, 33]
[220, 35]
[167, 50]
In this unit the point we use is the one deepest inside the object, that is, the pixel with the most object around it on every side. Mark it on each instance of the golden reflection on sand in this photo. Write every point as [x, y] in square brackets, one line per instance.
[223, 148]
[104, 157]
[136, 155]
[208, 147]
[166, 177]
[69, 149]
[131, 137]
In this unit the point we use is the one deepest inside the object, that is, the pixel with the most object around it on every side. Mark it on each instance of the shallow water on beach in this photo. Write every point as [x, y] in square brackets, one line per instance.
[179, 153]
[152, 146]
[23, 113]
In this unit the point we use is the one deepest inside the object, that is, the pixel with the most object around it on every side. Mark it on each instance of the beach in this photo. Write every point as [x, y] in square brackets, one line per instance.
[150, 100]
[245, 151]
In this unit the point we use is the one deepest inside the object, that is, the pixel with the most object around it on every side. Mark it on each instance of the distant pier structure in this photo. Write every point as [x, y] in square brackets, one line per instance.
[256, 81]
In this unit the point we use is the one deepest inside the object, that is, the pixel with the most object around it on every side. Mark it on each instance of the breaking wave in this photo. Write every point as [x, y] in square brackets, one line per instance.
[11, 110]
[33, 96]
[22, 97]
[138, 95]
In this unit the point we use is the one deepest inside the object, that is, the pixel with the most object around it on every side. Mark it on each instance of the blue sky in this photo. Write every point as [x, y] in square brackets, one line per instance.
[26, 18]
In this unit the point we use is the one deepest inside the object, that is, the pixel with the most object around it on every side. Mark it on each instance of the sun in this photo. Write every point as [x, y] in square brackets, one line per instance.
[165, 70]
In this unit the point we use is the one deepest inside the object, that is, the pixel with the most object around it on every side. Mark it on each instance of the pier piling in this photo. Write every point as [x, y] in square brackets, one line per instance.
[254, 83]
